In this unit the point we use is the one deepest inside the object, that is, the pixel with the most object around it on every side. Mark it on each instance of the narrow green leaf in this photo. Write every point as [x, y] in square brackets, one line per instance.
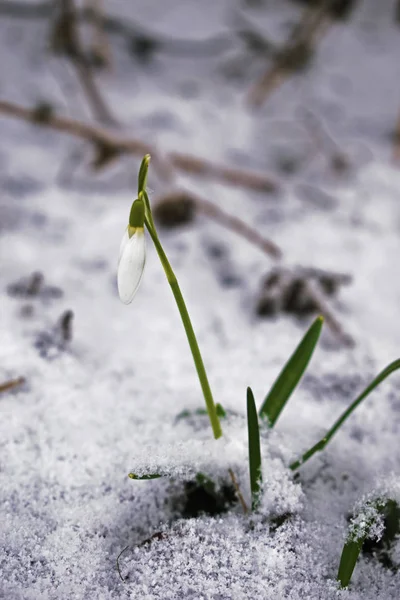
[149, 213]
[324, 441]
[142, 177]
[348, 560]
[361, 528]
[254, 450]
[143, 477]
[291, 374]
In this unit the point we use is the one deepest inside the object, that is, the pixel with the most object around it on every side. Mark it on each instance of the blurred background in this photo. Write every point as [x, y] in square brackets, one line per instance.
[262, 118]
[274, 132]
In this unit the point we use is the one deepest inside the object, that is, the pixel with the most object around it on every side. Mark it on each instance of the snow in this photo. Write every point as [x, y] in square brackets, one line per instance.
[105, 404]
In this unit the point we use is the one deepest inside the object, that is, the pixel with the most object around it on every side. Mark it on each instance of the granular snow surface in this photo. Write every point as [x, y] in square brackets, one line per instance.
[106, 403]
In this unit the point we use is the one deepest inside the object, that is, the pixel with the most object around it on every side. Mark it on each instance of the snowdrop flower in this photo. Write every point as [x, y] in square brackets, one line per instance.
[132, 254]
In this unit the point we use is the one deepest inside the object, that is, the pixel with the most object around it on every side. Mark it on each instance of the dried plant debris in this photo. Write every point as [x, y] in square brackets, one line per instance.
[11, 384]
[51, 343]
[175, 209]
[291, 290]
[34, 286]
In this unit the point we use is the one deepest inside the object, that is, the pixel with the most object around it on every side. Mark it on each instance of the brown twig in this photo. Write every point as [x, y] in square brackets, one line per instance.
[330, 319]
[65, 40]
[325, 143]
[238, 492]
[238, 226]
[180, 206]
[100, 47]
[159, 535]
[11, 384]
[109, 142]
[295, 54]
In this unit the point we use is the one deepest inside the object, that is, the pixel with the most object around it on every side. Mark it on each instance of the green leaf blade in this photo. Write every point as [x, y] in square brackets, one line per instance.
[143, 171]
[393, 366]
[144, 477]
[350, 553]
[254, 450]
[291, 374]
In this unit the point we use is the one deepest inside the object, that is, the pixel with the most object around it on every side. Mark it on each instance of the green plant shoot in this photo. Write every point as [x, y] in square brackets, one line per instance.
[337, 425]
[291, 374]
[132, 260]
[254, 450]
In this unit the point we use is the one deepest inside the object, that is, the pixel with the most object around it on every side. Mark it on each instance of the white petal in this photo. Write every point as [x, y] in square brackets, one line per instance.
[131, 265]
[124, 241]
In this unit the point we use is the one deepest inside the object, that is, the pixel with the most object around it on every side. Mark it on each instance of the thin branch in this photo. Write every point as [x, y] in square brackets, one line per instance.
[295, 54]
[117, 561]
[325, 143]
[100, 46]
[237, 225]
[65, 39]
[180, 206]
[236, 177]
[238, 492]
[159, 535]
[107, 141]
[11, 384]
[330, 319]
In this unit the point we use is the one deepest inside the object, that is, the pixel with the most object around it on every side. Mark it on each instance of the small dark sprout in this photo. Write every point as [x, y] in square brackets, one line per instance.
[174, 210]
[42, 113]
[144, 477]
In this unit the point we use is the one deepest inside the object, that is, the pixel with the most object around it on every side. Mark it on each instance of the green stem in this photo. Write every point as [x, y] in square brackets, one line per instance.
[198, 361]
[337, 425]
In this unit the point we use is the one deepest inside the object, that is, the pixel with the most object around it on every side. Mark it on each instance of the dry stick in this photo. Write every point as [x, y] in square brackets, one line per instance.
[100, 45]
[66, 40]
[238, 492]
[11, 384]
[324, 142]
[325, 310]
[104, 138]
[313, 25]
[237, 225]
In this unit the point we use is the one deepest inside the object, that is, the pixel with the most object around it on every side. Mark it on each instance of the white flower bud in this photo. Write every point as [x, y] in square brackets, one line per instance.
[132, 258]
